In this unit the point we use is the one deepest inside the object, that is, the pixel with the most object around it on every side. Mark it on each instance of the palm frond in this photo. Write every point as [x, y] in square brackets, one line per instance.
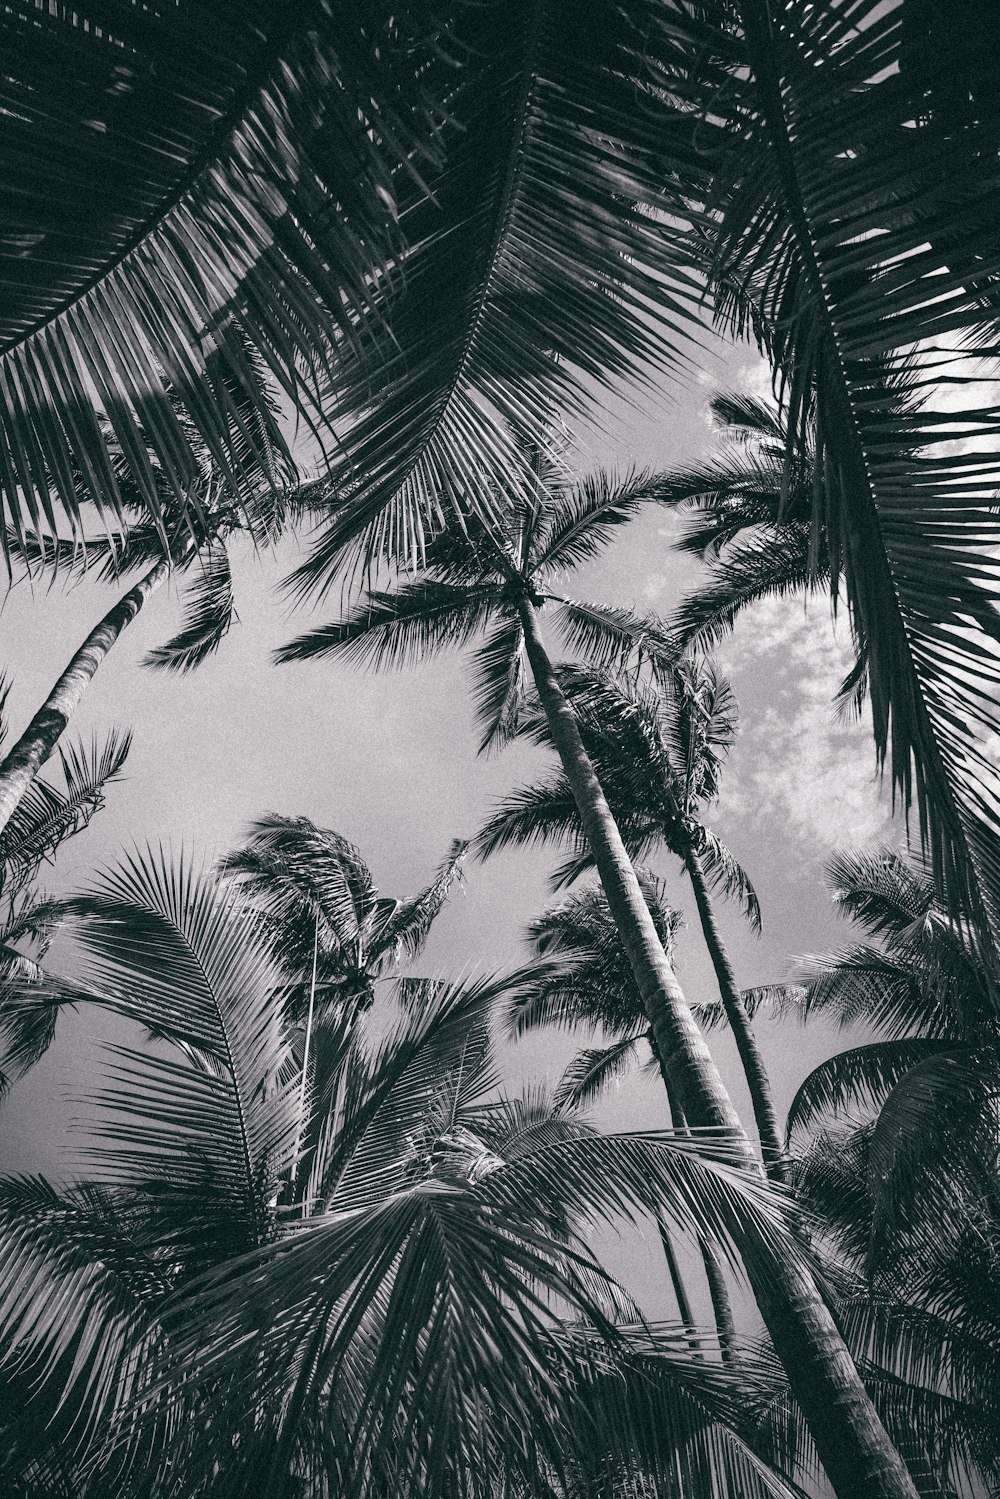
[612, 635]
[772, 563]
[581, 522]
[725, 874]
[747, 418]
[408, 928]
[47, 815]
[873, 275]
[880, 889]
[228, 181]
[592, 1071]
[310, 884]
[540, 265]
[863, 1076]
[214, 1121]
[209, 613]
[393, 630]
[867, 984]
[74, 1308]
[499, 683]
[533, 814]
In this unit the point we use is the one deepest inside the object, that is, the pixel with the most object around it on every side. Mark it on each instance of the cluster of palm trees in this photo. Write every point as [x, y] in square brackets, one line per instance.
[319, 1257]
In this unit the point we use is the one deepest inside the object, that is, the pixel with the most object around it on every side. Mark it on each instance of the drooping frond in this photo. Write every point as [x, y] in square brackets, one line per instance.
[875, 987]
[875, 275]
[744, 417]
[187, 186]
[726, 874]
[860, 1078]
[499, 684]
[310, 884]
[392, 630]
[540, 265]
[771, 563]
[608, 635]
[593, 1070]
[77, 1330]
[880, 889]
[209, 609]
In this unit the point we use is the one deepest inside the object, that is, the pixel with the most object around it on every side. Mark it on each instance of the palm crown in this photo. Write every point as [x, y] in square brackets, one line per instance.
[658, 749]
[928, 1082]
[323, 911]
[473, 579]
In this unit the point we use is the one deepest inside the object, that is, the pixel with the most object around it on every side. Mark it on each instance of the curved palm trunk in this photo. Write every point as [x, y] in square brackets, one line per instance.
[764, 1113]
[854, 1447]
[23, 762]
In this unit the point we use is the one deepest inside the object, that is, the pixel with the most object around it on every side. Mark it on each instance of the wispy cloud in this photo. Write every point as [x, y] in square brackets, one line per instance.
[798, 767]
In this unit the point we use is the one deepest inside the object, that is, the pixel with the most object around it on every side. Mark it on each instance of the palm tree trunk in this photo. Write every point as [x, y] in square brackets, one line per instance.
[718, 1289]
[758, 1082]
[854, 1447]
[677, 1285]
[23, 762]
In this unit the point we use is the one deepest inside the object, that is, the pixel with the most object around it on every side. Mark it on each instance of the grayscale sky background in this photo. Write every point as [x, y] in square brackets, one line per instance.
[390, 762]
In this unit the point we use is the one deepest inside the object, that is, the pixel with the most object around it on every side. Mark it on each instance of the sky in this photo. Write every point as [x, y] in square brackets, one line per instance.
[390, 762]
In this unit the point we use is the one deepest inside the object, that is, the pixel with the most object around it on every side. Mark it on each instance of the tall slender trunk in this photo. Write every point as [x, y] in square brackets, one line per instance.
[718, 1289]
[24, 760]
[677, 1285]
[764, 1113]
[854, 1447]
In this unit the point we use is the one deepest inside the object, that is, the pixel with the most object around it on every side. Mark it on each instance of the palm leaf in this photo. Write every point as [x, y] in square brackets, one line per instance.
[727, 875]
[870, 271]
[228, 179]
[407, 929]
[593, 1070]
[611, 635]
[209, 613]
[499, 683]
[864, 1075]
[392, 630]
[216, 1121]
[773, 563]
[540, 266]
[47, 815]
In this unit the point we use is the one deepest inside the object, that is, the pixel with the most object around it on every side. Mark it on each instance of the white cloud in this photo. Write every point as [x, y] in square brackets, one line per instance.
[797, 766]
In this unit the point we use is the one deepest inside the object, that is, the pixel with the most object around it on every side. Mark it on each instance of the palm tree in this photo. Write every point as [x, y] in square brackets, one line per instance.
[929, 1079]
[386, 1329]
[498, 577]
[658, 753]
[47, 816]
[584, 978]
[173, 541]
[328, 926]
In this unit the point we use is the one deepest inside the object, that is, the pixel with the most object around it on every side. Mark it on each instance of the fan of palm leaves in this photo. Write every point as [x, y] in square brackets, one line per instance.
[472, 581]
[394, 1329]
[927, 1084]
